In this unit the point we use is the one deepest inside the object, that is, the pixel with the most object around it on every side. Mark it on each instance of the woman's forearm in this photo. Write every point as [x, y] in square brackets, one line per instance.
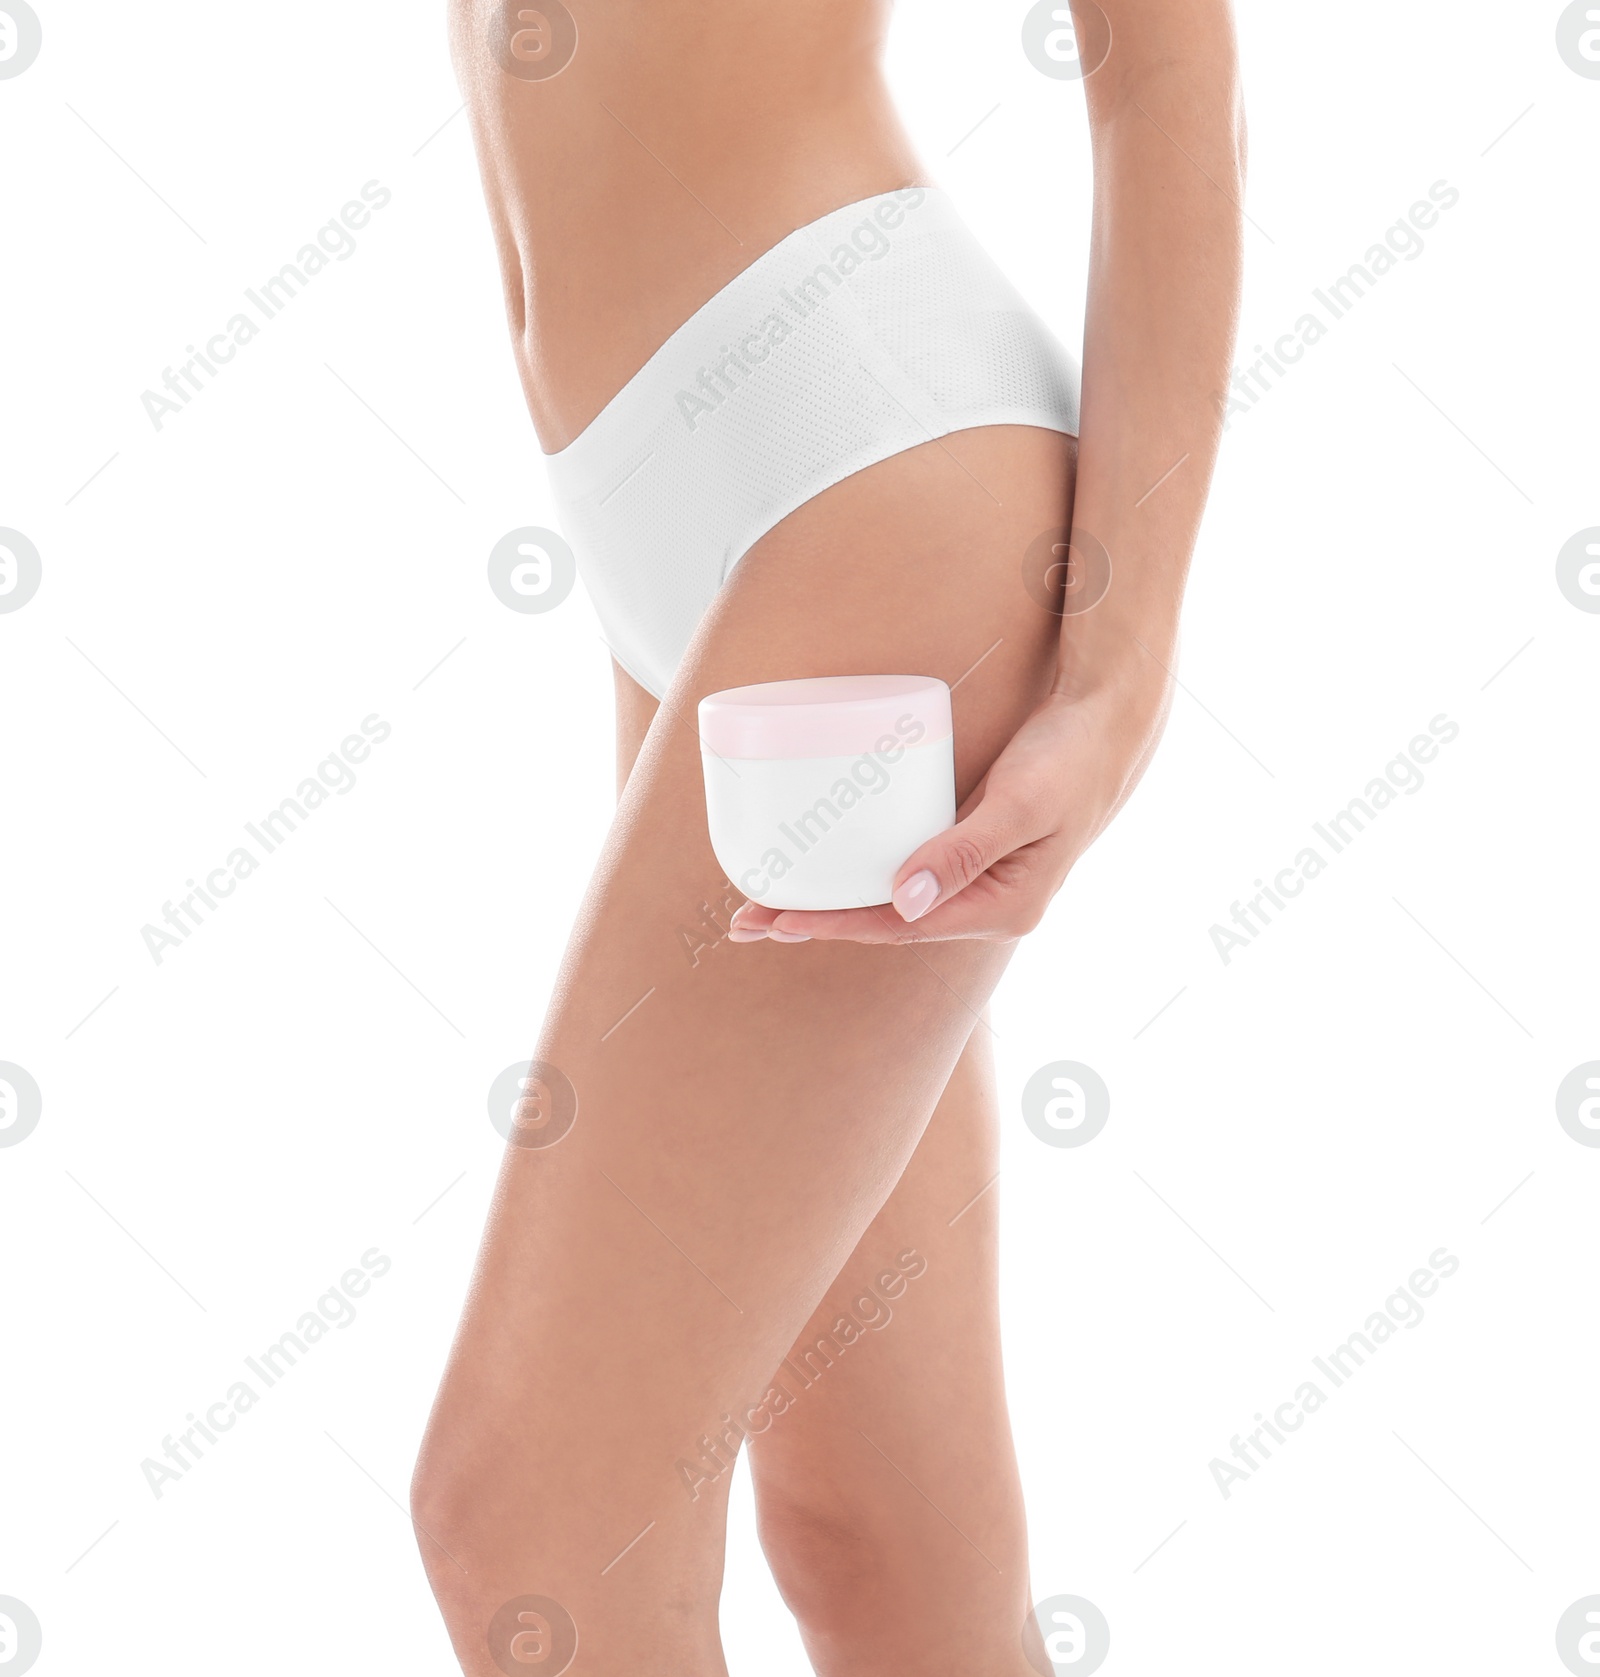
[1163, 301]
[1163, 295]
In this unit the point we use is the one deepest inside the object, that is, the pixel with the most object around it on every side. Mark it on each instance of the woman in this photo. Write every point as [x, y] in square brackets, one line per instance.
[732, 1143]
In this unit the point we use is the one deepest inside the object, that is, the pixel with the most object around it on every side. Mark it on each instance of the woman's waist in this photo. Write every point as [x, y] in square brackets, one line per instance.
[615, 229]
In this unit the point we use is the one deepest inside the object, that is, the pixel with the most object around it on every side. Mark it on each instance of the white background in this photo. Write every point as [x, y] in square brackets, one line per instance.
[226, 598]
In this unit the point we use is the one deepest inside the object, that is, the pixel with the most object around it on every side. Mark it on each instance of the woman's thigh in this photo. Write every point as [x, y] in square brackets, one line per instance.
[854, 1472]
[742, 1111]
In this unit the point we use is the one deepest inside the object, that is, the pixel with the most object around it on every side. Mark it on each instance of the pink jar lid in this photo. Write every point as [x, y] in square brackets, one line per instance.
[824, 716]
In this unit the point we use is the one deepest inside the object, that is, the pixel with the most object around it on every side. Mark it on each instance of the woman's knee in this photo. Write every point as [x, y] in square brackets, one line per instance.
[472, 1516]
[844, 1560]
[447, 1514]
[827, 1563]
[859, 1576]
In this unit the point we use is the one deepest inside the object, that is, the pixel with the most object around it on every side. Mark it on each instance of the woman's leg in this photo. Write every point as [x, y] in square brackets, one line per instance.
[866, 1478]
[888, 1496]
[743, 1111]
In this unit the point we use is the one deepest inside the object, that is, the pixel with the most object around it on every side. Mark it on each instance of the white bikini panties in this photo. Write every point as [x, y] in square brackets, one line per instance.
[879, 327]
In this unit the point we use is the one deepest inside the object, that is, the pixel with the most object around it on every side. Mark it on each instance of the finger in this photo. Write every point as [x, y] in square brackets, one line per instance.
[837, 925]
[751, 922]
[877, 923]
[954, 859]
[975, 913]
[951, 865]
[1002, 904]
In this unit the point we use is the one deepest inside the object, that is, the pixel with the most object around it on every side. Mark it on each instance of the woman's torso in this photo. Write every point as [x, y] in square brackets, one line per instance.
[675, 142]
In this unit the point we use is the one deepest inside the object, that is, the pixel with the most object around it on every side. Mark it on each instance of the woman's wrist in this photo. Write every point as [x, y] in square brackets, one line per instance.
[1125, 656]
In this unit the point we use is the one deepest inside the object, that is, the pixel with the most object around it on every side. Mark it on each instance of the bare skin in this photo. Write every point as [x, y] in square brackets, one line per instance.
[772, 1142]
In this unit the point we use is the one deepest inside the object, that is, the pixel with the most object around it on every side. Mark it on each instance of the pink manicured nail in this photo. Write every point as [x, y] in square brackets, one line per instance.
[746, 934]
[914, 898]
[788, 937]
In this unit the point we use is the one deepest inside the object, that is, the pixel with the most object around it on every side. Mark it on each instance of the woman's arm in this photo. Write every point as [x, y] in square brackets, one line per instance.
[1169, 150]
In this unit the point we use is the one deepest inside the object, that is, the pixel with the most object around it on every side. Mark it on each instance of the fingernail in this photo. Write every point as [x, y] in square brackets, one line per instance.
[788, 937]
[746, 934]
[916, 896]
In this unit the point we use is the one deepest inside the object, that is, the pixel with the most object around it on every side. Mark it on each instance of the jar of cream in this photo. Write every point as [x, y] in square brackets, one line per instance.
[818, 790]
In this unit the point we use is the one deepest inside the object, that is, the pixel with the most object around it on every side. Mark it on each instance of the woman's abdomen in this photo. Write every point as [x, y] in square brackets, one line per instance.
[636, 157]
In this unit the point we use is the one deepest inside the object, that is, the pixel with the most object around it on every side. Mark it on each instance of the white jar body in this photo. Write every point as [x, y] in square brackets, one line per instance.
[826, 832]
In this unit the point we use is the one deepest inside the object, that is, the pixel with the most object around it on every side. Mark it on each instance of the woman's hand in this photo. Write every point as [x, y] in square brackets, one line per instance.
[1167, 125]
[1058, 782]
